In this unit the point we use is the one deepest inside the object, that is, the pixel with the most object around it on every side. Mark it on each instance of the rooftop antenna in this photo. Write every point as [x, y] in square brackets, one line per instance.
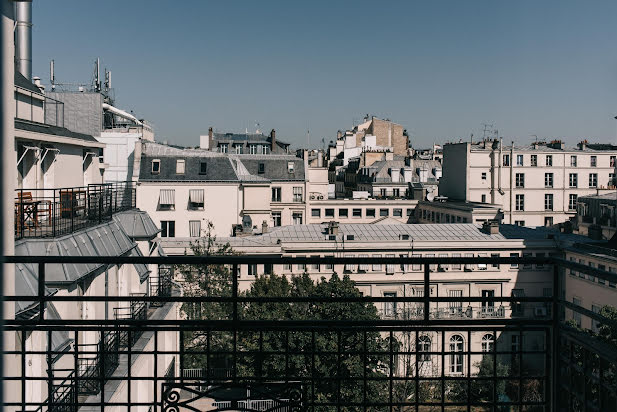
[107, 80]
[536, 136]
[97, 75]
[52, 76]
[486, 127]
[308, 138]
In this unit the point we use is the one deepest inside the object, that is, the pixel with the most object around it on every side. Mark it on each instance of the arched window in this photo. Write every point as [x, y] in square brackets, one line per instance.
[488, 343]
[456, 358]
[424, 345]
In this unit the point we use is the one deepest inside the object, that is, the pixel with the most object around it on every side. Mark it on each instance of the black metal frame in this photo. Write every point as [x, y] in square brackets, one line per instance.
[579, 371]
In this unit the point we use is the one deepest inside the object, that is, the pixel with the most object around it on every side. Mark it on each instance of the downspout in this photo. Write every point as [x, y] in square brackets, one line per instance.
[493, 154]
[511, 177]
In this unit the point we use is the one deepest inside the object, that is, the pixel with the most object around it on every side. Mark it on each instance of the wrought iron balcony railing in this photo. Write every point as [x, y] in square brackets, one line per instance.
[41, 213]
[324, 350]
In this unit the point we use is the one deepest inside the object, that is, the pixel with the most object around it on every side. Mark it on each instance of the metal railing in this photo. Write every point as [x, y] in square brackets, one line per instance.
[349, 359]
[55, 212]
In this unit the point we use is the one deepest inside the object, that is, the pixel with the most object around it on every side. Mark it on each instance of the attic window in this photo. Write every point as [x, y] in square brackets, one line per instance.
[262, 168]
[180, 166]
[156, 166]
[290, 167]
[351, 237]
[203, 168]
[404, 237]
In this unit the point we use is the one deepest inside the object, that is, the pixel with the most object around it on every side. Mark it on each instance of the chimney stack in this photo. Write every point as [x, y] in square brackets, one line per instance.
[23, 37]
[272, 140]
[264, 227]
[339, 134]
[210, 139]
[491, 227]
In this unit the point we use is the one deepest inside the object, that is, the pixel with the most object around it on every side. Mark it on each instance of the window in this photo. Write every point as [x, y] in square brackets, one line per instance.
[203, 168]
[548, 221]
[396, 192]
[168, 228]
[276, 194]
[549, 160]
[572, 202]
[224, 147]
[195, 228]
[520, 202]
[594, 161]
[548, 180]
[316, 212]
[356, 212]
[382, 192]
[287, 267]
[315, 266]
[261, 168]
[390, 266]
[276, 218]
[180, 166]
[370, 212]
[520, 180]
[516, 343]
[252, 268]
[296, 217]
[297, 194]
[238, 148]
[363, 267]
[548, 201]
[456, 358]
[397, 212]
[268, 268]
[409, 212]
[488, 343]
[455, 307]
[513, 265]
[329, 212]
[483, 175]
[167, 199]
[156, 166]
[573, 180]
[389, 307]
[253, 149]
[495, 255]
[265, 149]
[301, 266]
[506, 160]
[519, 160]
[196, 199]
[517, 307]
[534, 160]
[290, 167]
[377, 266]
[483, 198]
[384, 212]
[593, 180]
[519, 222]
[488, 307]
[343, 213]
[612, 161]
[573, 161]
[424, 345]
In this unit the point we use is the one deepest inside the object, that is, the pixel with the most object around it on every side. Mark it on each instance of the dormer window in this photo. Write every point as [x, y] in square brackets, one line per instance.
[262, 168]
[290, 167]
[203, 168]
[156, 166]
[224, 148]
[180, 166]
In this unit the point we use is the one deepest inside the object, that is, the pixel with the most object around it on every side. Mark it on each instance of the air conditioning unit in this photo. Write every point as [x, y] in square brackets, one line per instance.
[320, 197]
[442, 268]
[312, 197]
[539, 311]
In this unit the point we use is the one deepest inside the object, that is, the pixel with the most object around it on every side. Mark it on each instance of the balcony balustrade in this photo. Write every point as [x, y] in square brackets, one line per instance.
[394, 353]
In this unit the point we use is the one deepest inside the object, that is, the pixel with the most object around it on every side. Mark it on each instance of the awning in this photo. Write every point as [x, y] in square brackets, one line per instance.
[196, 196]
[168, 197]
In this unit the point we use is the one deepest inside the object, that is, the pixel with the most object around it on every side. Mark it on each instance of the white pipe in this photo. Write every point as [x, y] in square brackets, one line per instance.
[121, 113]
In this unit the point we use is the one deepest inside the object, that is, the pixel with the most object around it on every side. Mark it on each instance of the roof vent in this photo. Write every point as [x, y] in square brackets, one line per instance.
[333, 228]
[404, 236]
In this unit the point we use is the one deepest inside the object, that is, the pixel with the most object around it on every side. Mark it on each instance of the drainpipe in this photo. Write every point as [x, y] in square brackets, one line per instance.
[511, 178]
[23, 37]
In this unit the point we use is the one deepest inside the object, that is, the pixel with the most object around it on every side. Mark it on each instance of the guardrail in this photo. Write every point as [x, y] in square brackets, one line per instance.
[333, 351]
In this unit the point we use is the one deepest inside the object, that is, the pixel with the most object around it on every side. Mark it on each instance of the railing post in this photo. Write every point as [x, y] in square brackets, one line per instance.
[53, 215]
[427, 291]
[555, 337]
[41, 291]
[72, 200]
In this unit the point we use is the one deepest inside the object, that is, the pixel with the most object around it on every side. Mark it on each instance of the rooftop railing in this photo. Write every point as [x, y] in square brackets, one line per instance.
[41, 213]
[324, 350]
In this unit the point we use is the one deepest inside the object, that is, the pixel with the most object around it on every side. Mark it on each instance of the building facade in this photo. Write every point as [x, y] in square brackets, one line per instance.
[537, 185]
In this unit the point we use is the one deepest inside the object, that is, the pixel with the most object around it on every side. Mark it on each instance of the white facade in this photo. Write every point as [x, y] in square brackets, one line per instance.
[535, 186]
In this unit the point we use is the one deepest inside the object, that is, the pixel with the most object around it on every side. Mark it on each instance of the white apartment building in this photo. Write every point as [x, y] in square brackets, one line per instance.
[183, 188]
[406, 280]
[368, 210]
[442, 210]
[536, 185]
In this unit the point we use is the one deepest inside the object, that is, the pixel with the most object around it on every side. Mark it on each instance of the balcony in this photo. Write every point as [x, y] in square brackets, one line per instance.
[268, 352]
[45, 213]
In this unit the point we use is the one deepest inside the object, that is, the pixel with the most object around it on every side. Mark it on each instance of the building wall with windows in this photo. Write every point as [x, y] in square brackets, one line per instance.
[536, 185]
[360, 210]
[456, 212]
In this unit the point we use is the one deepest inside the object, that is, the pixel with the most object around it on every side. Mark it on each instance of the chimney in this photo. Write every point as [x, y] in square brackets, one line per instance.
[333, 228]
[37, 83]
[490, 227]
[582, 145]
[272, 140]
[23, 37]
[319, 158]
[210, 139]
[264, 227]
[395, 174]
[407, 175]
[339, 135]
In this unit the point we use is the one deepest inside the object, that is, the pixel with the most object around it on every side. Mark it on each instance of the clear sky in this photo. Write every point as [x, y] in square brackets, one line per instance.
[439, 68]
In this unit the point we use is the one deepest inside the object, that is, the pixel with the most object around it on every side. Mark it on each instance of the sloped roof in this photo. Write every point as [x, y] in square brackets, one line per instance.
[36, 127]
[21, 81]
[137, 224]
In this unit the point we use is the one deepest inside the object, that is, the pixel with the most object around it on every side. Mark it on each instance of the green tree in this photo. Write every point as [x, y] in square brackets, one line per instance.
[338, 361]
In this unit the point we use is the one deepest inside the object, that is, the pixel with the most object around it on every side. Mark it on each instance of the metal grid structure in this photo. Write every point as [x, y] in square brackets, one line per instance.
[259, 364]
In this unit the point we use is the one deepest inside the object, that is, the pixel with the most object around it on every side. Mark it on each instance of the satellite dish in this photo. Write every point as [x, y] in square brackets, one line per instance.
[247, 222]
[430, 196]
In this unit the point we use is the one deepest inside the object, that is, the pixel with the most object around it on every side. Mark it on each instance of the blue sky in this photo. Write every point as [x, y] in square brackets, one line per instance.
[440, 68]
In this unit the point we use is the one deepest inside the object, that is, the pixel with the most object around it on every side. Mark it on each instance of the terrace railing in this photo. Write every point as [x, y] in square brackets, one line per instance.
[55, 212]
[235, 357]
